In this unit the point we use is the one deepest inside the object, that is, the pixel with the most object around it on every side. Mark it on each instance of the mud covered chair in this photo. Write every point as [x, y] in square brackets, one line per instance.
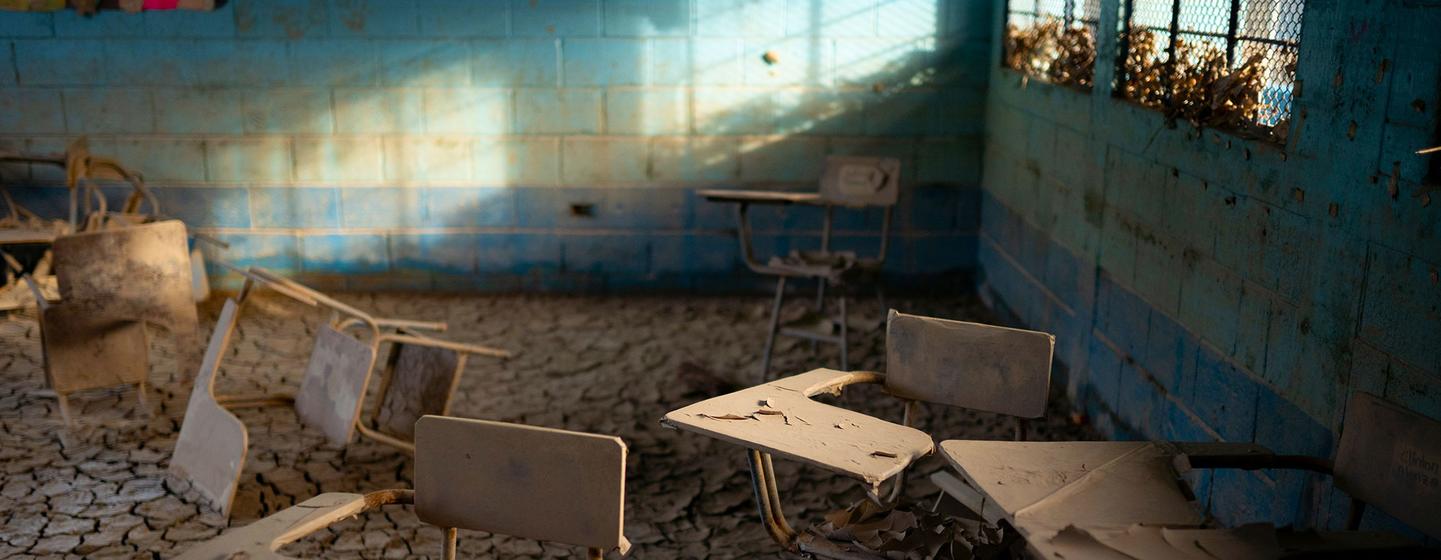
[848, 182]
[1079, 500]
[953, 363]
[522, 481]
[419, 379]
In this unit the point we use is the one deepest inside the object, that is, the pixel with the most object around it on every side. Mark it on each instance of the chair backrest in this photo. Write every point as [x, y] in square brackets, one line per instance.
[1390, 457]
[861, 181]
[523, 481]
[970, 365]
[419, 380]
[210, 451]
[140, 272]
[334, 386]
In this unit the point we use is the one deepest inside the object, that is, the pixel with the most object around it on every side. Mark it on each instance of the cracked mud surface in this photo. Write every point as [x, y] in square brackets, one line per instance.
[606, 365]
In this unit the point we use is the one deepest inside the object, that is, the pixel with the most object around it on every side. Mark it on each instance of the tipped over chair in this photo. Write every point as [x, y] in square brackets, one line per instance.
[510, 479]
[1077, 500]
[847, 182]
[419, 378]
[952, 363]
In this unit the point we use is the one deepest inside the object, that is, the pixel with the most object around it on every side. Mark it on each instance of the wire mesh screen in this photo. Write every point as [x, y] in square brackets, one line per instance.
[1221, 63]
[1053, 40]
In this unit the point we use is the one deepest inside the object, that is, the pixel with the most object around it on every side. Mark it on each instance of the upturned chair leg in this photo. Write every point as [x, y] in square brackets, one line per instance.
[774, 328]
[450, 538]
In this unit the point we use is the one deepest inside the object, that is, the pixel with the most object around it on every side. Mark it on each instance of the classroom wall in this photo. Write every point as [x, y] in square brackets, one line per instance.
[529, 145]
[1206, 287]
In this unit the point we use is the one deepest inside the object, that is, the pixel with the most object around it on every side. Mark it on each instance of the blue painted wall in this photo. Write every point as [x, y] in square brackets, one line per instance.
[441, 143]
[1206, 287]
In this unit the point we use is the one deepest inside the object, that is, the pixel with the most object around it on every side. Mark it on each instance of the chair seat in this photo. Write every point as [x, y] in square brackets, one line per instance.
[780, 418]
[259, 540]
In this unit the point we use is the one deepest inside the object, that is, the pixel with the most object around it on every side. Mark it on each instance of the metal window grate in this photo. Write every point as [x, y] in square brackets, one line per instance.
[1222, 63]
[1053, 40]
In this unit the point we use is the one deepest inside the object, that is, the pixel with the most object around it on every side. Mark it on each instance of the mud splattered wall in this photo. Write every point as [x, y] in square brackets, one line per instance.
[552, 144]
[1206, 287]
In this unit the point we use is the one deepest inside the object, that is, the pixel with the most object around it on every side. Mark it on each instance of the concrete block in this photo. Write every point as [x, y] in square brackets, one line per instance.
[1398, 315]
[1285, 341]
[288, 110]
[734, 111]
[648, 112]
[1140, 407]
[531, 253]
[912, 18]
[516, 161]
[344, 253]
[613, 254]
[695, 159]
[383, 207]
[516, 62]
[1285, 429]
[558, 18]
[1156, 280]
[52, 62]
[933, 209]
[1171, 357]
[373, 18]
[425, 63]
[462, 18]
[831, 18]
[1212, 296]
[1370, 369]
[292, 19]
[245, 160]
[250, 64]
[206, 207]
[629, 209]
[108, 111]
[278, 252]
[374, 110]
[697, 61]
[1124, 317]
[426, 159]
[187, 23]
[647, 18]
[1225, 397]
[1103, 371]
[339, 62]
[27, 24]
[605, 161]
[491, 207]
[892, 62]
[338, 159]
[949, 162]
[297, 207]
[566, 111]
[934, 254]
[31, 111]
[820, 112]
[467, 111]
[164, 160]
[782, 159]
[604, 62]
[199, 111]
[1251, 328]
[443, 253]
[69, 23]
[1415, 387]
[741, 18]
[798, 62]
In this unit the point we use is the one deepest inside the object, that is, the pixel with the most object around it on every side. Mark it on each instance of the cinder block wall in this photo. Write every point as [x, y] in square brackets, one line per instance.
[1206, 287]
[444, 143]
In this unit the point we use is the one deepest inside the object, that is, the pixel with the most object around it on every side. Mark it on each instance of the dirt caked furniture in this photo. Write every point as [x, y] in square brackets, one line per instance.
[939, 361]
[510, 479]
[847, 182]
[419, 378]
[1078, 500]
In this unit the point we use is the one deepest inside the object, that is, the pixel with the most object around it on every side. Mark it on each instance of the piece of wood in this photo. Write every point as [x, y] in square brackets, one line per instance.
[523, 481]
[1045, 487]
[420, 380]
[760, 197]
[261, 539]
[210, 451]
[1390, 458]
[969, 365]
[780, 418]
[861, 181]
[335, 380]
